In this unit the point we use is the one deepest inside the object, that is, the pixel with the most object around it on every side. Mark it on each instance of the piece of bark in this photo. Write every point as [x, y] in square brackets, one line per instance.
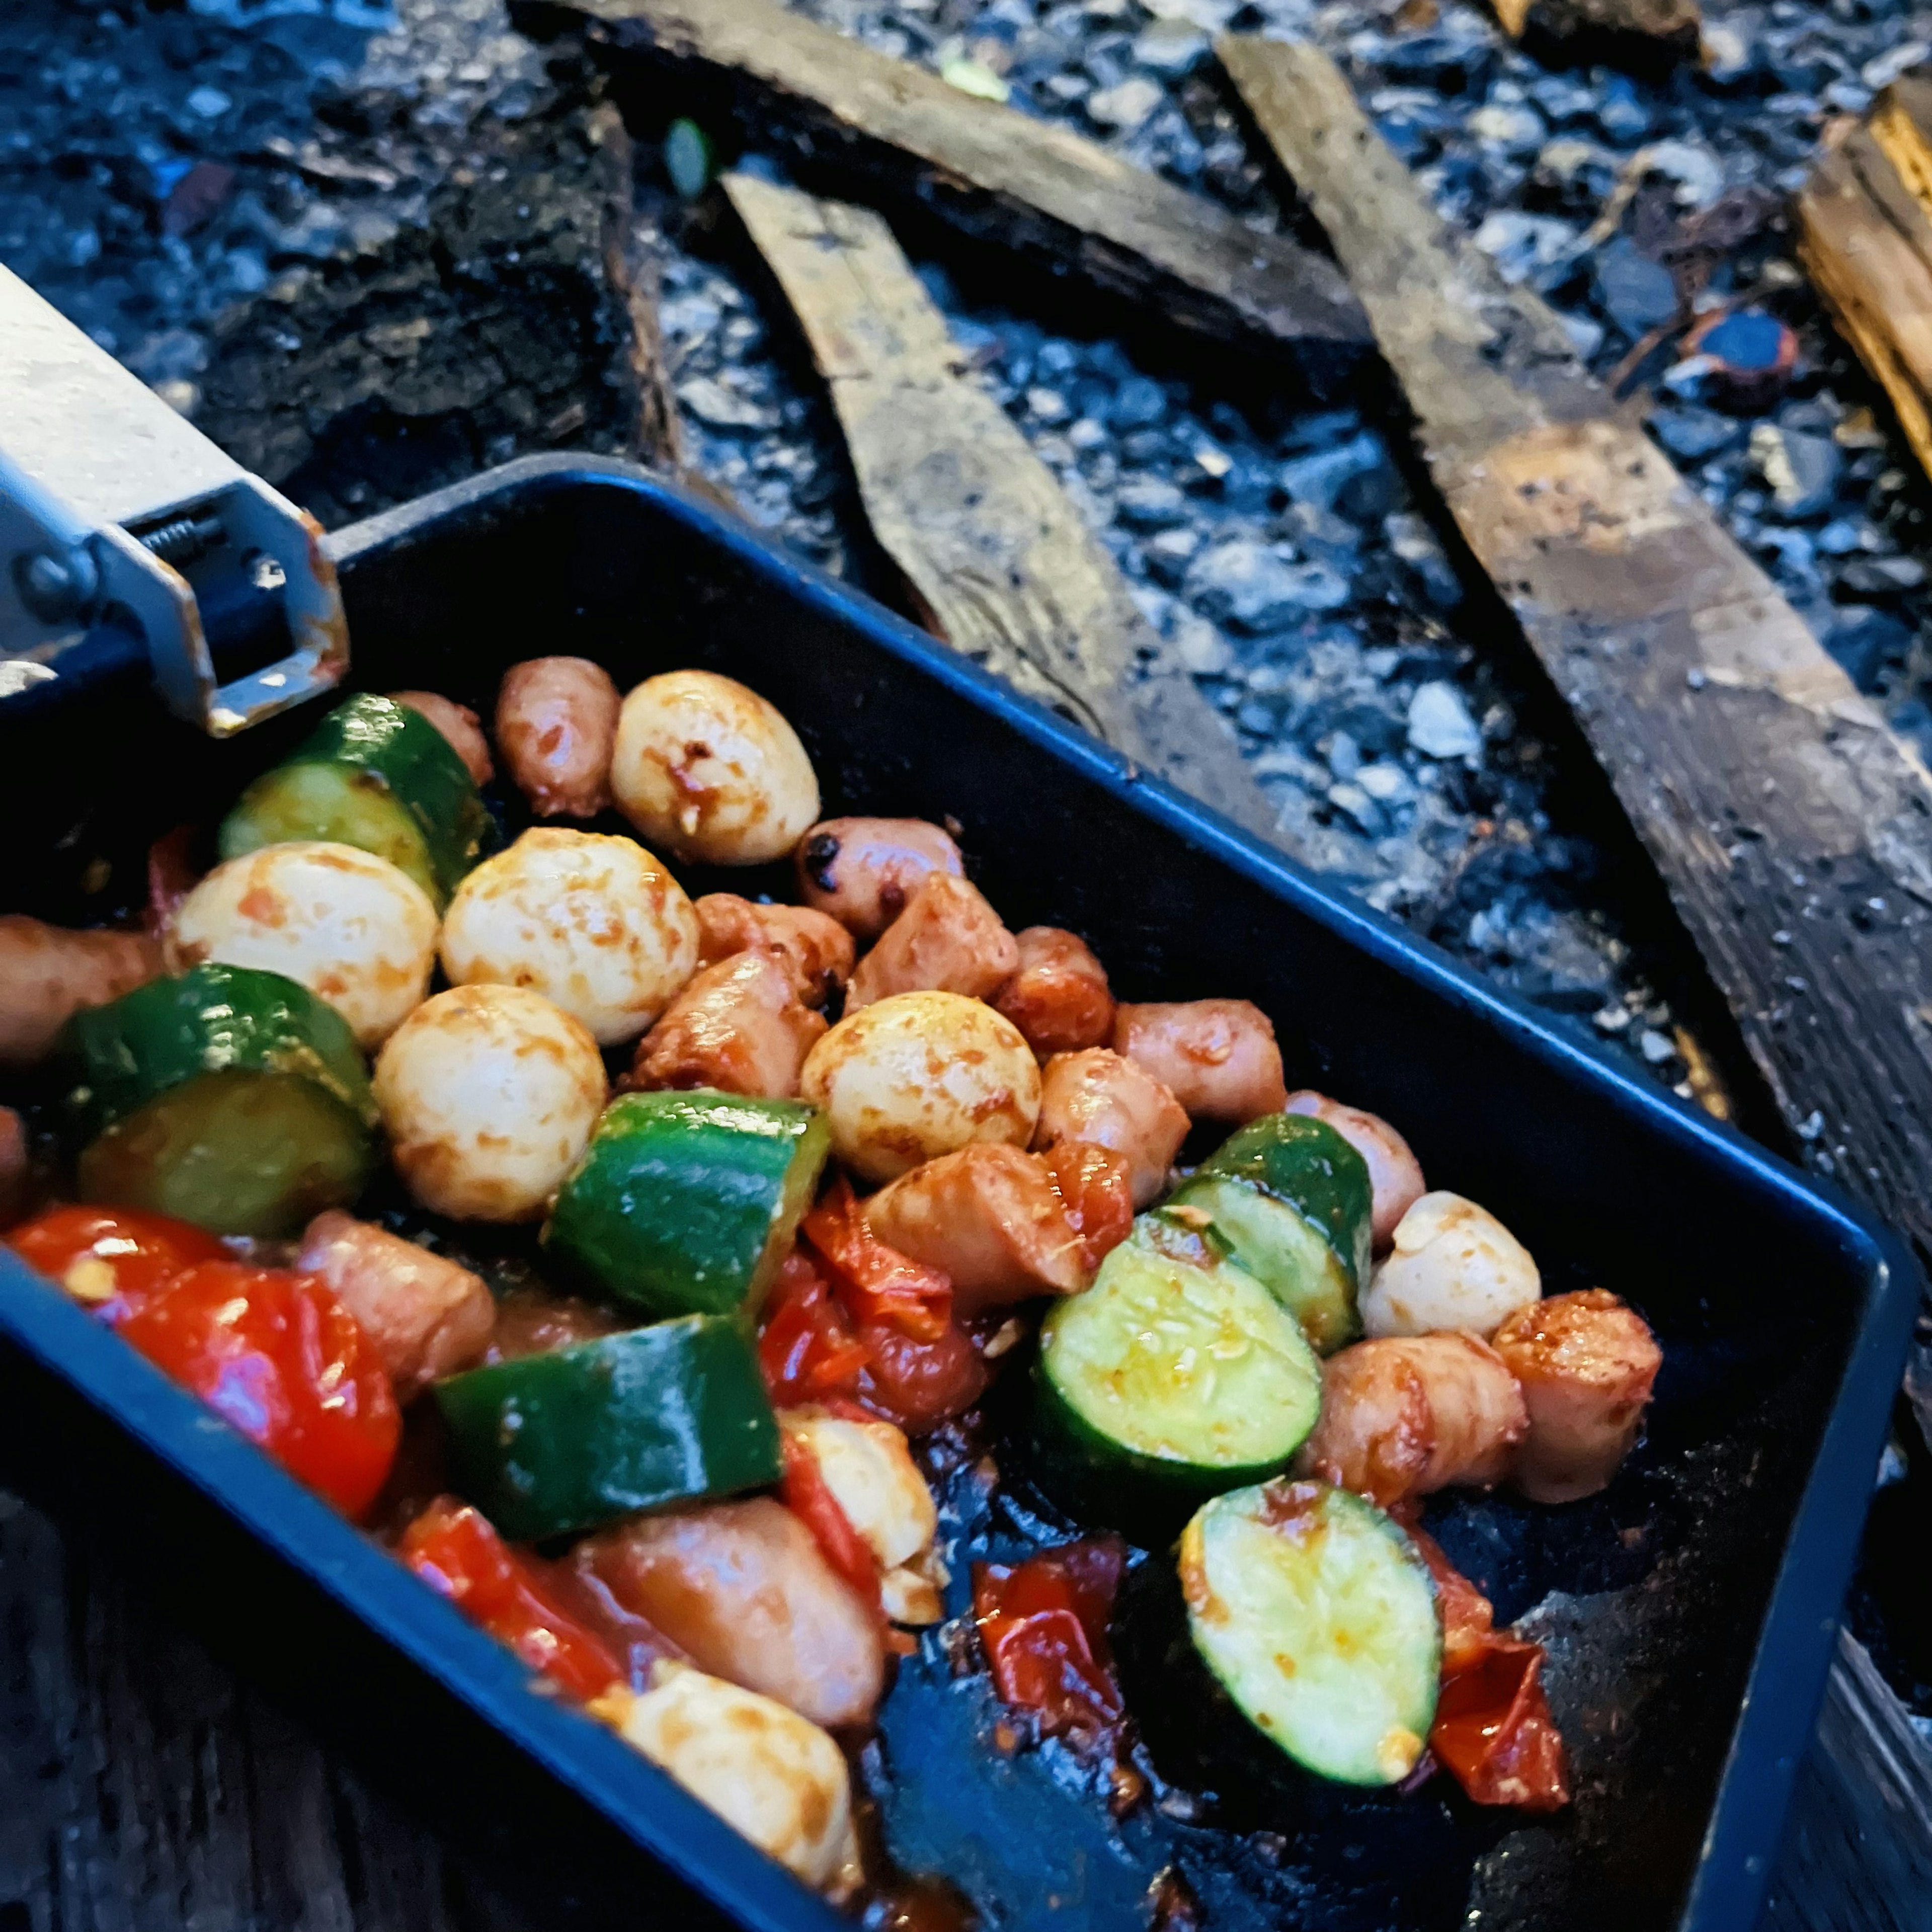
[987, 169]
[1793, 831]
[1865, 241]
[1640, 34]
[993, 546]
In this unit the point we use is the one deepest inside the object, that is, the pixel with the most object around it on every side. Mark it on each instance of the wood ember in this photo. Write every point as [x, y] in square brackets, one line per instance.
[990, 542]
[1864, 238]
[859, 115]
[1645, 35]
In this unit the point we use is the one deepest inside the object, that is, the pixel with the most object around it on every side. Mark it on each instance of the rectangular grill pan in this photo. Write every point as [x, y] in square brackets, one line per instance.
[1691, 1610]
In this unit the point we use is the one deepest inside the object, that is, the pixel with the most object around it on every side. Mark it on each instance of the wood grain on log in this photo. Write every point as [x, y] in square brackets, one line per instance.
[1864, 239]
[1793, 831]
[995, 548]
[991, 171]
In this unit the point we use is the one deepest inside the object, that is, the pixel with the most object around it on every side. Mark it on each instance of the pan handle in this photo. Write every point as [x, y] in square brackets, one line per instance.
[116, 511]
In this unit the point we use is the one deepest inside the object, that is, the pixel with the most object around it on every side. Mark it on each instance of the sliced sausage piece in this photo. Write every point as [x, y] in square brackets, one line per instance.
[742, 1589]
[427, 1317]
[738, 1026]
[1407, 1416]
[1102, 1099]
[1058, 996]
[948, 940]
[458, 723]
[556, 726]
[864, 872]
[1217, 1057]
[1586, 1364]
[817, 951]
[1395, 1174]
[49, 974]
[1454, 1265]
[990, 1217]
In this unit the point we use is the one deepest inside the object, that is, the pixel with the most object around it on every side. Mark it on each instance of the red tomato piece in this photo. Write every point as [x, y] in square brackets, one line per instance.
[805, 1491]
[1493, 1728]
[920, 1384]
[1096, 1186]
[807, 1349]
[877, 1283]
[283, 1360]
[171, 877]
[456, 1549]
[1044, 1625]
[112, 1260]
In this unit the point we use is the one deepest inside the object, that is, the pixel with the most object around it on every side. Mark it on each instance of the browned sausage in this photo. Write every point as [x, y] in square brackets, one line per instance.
[1412, 1415]
[556, 725]
[426, 1316]
[742, 1589]
[990, 1217]
[1395, 1174]
[1058, 996]
[817, 950]
[459, 725]
[863, 871]
[49, 974]
[1586, 1364]
[1102, 1099]
[1217, 1057]
[738, 1026]
[948, 940]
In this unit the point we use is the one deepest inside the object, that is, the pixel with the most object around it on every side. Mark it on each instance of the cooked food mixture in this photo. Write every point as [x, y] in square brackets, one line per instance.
[767, 1196]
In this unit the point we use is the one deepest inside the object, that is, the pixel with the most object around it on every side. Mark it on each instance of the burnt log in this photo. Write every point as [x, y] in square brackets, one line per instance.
[1644, 36]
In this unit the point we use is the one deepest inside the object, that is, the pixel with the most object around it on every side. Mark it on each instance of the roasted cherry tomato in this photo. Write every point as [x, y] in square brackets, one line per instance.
[877, 1283]
[455, 1549]
[805, 1491]
[1044, 1625]
[809, 1349]
[277, 1355]
[919, 1385]
[1097, 1188]
[114, 1261]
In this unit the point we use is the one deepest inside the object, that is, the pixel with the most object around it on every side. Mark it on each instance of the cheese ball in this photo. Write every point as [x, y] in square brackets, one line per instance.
[354, 929]
[709, 771]
[593, 923]
[1454, 1266]
[488, 1095]
[919, 1074]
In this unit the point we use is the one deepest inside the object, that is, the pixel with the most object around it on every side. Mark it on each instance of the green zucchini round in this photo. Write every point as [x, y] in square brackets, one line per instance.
[1315, 1614]
[551, 1443]
[1175, 1376]
[375, 774]
[225, 1095]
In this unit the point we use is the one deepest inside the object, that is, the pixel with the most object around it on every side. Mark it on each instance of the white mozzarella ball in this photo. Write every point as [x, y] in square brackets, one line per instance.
[709, 770]
[352, 928]
[919, 1074]
[1454, 1266]
[489, 1095]
[595, 924]
[869, 1469]
[774, 1777]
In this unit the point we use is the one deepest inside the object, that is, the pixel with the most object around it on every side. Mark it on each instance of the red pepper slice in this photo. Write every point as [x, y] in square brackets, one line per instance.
[808, 1350]
[1493, 1729]
[277, 1355]
[456, 1549]
[805, 1491]
[1044, 1625]
[877, 1283]
[1094, 1182]
[112, 1260]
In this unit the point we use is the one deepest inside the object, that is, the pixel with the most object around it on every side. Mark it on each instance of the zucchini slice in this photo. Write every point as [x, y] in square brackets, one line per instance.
[1293, 1200]
[225, 1095]
[1318, 1618]
[1175, 1376]
[377, 776]
[549, 1444]
[686, 1203]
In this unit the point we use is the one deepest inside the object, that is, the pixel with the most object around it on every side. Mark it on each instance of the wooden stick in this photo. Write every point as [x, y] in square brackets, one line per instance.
[996, 552]
[1065, 202]
[1793, 831]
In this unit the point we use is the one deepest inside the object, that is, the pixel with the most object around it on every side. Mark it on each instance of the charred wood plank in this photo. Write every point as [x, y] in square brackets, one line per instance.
[1646, 36]
[994, 548]
[989, 170]
[1793, 831]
